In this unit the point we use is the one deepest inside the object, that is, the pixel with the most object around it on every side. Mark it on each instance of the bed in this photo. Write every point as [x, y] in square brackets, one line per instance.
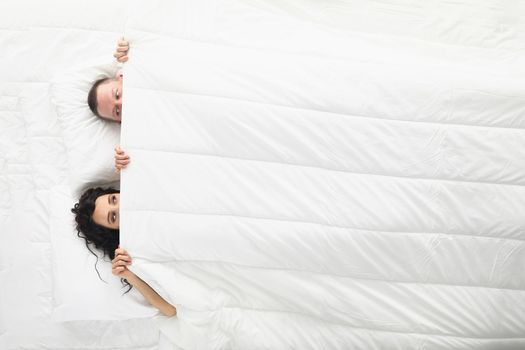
[341, 173]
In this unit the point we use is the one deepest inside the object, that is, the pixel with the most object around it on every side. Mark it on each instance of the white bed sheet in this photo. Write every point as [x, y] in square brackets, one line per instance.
[39, 39]
[298, 185]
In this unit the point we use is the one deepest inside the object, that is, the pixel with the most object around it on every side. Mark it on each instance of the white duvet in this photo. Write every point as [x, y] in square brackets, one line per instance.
[334, 193]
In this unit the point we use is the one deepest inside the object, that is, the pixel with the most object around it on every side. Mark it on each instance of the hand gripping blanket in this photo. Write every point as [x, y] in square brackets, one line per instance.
[285, 199]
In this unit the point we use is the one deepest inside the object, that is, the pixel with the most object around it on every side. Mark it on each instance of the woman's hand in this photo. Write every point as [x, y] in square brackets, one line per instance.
[120, 269]
[121, 159]
[120, 264]
[121, 54]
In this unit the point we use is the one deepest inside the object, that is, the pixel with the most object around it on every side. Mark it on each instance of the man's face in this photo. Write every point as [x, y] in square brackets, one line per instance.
[109, 99]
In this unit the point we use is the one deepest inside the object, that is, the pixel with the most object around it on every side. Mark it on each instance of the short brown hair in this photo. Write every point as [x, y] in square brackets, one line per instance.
[92, 96]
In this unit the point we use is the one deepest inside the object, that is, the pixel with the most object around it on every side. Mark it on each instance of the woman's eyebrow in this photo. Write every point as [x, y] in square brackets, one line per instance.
[109, 222]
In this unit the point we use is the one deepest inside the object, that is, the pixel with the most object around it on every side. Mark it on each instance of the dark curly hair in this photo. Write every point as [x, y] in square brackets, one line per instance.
[92, 96]
[104, 239]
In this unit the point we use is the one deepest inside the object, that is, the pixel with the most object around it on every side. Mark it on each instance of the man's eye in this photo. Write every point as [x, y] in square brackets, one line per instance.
[118, 94]
[118, 111]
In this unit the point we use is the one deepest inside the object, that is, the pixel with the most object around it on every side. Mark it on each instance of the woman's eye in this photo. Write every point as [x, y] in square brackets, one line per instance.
[114, 199]
[113, 217]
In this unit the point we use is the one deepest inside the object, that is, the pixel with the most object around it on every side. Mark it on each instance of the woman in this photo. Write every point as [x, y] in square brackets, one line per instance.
[97, 218]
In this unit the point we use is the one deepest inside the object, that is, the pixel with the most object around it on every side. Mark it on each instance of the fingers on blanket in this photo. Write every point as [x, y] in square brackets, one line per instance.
[119, 151]
[121, 159]
[121, 256]
[120, 250]
[122, 50]
[124, 258]
[119, 55]
[120, 263]
[118, 270]
[120, 164]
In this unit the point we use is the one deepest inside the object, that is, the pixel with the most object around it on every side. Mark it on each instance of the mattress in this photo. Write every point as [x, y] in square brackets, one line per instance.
[298, 180]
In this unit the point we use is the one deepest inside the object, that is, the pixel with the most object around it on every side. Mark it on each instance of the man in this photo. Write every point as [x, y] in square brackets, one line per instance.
[105, 100]
[105, 96]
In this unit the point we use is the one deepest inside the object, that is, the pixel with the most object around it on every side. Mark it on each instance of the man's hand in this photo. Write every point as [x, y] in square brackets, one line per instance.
[121, 159]
[122, 50]
[120, 264]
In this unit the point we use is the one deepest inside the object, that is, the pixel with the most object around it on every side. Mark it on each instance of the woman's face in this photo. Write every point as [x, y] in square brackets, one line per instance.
[106, 211]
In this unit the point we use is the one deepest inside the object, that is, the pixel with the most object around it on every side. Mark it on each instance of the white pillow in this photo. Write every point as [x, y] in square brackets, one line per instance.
[78, 293]
[89, 140]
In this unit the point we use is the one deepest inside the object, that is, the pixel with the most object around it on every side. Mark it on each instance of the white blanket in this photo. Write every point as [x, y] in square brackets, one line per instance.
[286, 198]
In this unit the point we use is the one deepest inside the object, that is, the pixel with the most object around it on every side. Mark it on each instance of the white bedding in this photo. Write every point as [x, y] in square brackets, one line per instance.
[39, 40]
[313, 184]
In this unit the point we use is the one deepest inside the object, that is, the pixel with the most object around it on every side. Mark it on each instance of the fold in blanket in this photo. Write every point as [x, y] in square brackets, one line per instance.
[286, 199]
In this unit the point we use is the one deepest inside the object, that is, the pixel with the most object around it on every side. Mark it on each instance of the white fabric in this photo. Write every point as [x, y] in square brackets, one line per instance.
[89, 140]
[39, 40]
[313, 189]
[79, 293]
